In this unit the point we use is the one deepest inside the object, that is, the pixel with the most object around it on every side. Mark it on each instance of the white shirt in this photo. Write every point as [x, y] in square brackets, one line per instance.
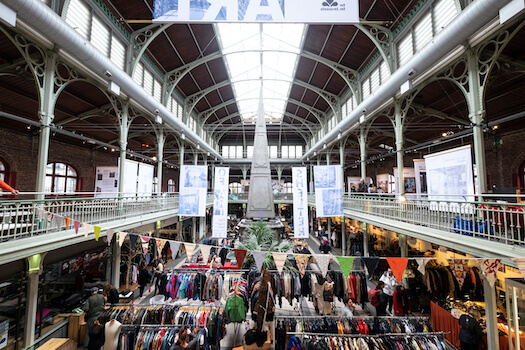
[347, 312]
[159, 268]
[390, 283]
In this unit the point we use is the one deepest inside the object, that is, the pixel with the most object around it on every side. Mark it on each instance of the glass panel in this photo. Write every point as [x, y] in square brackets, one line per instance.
[60, 169]
[148, 82]
[423, 31]
[2, 166]
[273, 151]
[404, 49]
[49, 169]
[298, 151]
[249, 151]
[100, 35]
[2, 176]
[60, 184]
[284, 152]
[118, 52]
[444, 12]
[78, 17]
[292, 152]
[71, 185]
[47, 187]
[138, 74]
[71, 172]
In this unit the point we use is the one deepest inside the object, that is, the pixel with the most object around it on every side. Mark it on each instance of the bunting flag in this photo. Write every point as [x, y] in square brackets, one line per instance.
[346, 264]
[68, 220]
[145, 243]
[76, 224]
[521, 265]
[258, 256]
[323, 260]
[86, 229]
[133, 241]
[302, 262]
[421, 262]
[279, 259]
[459, 269]
[41, 213]
[160, 244]
[240, 254]
[121, 237]
[398, 266]
[59, 220]
[490, 269]
[371, 264]
[174, 246]
[50, 218]
[97, 232]
[110, 233]
[190, 248]
[205, 251]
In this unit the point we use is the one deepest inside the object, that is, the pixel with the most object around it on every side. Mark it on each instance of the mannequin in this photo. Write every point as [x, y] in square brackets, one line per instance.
[112, 331]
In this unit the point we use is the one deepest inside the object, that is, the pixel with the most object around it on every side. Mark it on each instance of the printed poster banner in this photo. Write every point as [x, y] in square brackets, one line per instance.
[328, 191]
[256, 11]
[300, 202]
[220, 203]
[490, 269]
[194, 183]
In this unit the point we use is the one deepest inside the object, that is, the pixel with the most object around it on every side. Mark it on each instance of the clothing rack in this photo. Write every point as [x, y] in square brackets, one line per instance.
[365, 335]
[353, 317]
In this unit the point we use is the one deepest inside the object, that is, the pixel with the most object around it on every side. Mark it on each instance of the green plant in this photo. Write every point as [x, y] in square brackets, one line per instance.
[259, 236]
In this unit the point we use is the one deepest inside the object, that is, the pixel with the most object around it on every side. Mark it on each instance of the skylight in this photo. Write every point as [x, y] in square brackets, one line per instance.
[254, 51]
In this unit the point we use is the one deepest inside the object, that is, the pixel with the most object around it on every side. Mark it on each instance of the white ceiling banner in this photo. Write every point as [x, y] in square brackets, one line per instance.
[193, 190]
[300, 202]
[328, 190]
[220, 203]
[253, 11]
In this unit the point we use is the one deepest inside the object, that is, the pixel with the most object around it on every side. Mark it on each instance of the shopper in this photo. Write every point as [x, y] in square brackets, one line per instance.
[401, 301]
[111, 293]
[362, 187]
[378, 299]
[5, 187]
[93, 306]
[96, 336]
[159, 268]
[324, 247]
[470, 332]
[348, 309]
[186, 341]
[390, 284]
[143, 279]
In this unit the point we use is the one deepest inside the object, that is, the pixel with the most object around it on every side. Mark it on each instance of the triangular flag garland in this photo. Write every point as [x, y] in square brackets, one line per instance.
[490, 269]
[110, 233]
[421, 263]
[279, 259]
[258, 256]
[346, 264]
[240, 255]
[459, 269]
[323, 260]
[97, 232]
[145, 238]
[205, 250]
[190, 248]
[76, 225]
[398, 266]
[121, 237]
[302, 262]
[86, 229]
[133, 241]
[174, 246]
[160, 245]
[68, 220]
[145, 244]
[60, 220]
[371, 264]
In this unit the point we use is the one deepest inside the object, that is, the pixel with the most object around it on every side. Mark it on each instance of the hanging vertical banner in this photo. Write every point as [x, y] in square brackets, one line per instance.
[300, 202]
[250, 11]
[328, 191]
[193, 187]
[220, 203]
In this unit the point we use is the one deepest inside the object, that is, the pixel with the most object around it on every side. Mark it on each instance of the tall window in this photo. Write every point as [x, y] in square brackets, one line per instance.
[171, 185]
[3, 170]
[61, 178]
[236, 187]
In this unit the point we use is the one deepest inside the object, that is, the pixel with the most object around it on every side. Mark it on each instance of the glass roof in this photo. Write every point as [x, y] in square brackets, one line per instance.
[261, 50]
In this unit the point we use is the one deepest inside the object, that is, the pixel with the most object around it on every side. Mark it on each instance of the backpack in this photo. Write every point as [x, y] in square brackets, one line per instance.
[373, 297]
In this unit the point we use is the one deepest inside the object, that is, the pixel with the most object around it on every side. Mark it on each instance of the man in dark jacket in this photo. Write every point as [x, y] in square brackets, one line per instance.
[93, 307]
[470, 332]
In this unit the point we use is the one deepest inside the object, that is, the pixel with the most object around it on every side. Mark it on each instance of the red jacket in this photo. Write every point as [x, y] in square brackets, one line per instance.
[401, 304]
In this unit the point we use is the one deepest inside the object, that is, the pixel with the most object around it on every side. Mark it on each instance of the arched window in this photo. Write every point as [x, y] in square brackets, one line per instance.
[171, 185]
[3, 170]
[61, 178]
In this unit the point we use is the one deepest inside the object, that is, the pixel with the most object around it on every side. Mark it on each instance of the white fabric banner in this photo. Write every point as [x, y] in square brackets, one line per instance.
[205, 251]
[300, 202]
[249, 11]
[193, 188]
[258, 256]
[328, 190]
[220, 203]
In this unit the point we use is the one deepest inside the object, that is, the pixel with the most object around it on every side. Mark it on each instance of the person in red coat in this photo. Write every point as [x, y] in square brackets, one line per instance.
[401, 301]
[5, 187]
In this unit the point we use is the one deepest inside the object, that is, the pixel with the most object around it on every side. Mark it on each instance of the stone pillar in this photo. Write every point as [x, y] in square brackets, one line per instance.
[161, 138]
[403, 245]
[115, 264]
[362, 148]
[365, 253]
[399, 148]
[202, 226]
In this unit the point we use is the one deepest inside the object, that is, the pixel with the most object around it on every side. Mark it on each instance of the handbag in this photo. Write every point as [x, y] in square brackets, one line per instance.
[328, 295]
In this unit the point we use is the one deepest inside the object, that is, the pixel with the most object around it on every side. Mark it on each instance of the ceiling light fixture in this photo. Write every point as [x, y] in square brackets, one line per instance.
[182, 136]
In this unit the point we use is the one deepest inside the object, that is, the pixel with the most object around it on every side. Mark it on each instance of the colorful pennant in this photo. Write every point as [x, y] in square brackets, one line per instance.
[258, 256]
[240, 255]
[76, 224]
[398, 266]
[122, 237]
[302, 262]
[97, 232]
[279, 259]
[133, 241]
[421, 263]
[160, 245]
[459, 269]
[346, 264]
[68, 220]
[490, 269]
[145, 243]
[110, 234]
[371, 264]
[86, 230]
